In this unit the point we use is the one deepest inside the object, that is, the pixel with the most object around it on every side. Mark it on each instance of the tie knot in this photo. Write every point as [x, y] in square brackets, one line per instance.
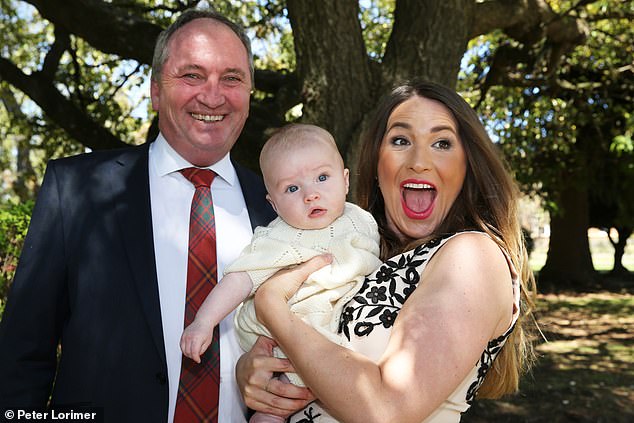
[199, 177]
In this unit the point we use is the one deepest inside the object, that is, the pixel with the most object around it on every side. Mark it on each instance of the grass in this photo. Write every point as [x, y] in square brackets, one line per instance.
[585, 371]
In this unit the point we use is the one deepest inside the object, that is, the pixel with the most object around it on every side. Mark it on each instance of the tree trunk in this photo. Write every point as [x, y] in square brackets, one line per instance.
[569, 262]
[427, 41]
[619, 250]
[332, 65]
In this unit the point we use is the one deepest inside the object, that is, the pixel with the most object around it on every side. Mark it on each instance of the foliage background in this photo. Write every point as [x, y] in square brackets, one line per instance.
[552, 79]
[14, 222]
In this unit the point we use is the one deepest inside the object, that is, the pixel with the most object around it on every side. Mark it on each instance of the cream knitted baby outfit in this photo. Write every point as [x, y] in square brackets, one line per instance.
[353, 241]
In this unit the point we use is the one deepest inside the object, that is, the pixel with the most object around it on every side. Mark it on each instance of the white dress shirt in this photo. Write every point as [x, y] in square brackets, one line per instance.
[171, 195]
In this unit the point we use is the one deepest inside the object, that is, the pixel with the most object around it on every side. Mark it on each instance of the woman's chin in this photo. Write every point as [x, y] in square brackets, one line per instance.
[417, 228]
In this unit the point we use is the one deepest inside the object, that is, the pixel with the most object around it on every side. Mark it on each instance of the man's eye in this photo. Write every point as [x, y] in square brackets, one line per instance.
[292, 188]
[322, 178]
[232, 79]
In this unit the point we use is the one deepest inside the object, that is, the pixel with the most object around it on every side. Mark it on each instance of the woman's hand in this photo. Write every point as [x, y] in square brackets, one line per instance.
[255, 369]
[280, 287]
[260, 390]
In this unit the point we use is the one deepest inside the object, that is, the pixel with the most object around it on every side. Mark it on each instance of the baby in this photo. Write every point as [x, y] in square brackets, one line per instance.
[307, 185]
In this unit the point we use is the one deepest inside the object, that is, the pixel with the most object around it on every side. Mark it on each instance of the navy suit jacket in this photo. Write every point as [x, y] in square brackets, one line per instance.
[87, 279]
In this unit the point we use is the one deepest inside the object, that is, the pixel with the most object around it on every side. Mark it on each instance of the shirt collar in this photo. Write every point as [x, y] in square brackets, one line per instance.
[168, 161]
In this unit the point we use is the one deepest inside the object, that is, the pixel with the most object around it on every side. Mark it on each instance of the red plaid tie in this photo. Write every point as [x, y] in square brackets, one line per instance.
[197, 399]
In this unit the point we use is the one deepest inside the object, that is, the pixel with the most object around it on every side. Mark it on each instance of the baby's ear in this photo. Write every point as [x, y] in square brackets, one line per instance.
[270, 200]
[346, 177]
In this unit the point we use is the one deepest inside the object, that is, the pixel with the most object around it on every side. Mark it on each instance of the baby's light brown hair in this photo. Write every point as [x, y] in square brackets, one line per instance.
[290, 138]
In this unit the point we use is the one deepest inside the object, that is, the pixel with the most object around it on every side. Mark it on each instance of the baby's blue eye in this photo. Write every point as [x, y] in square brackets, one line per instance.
[292, 188]
[322, 178]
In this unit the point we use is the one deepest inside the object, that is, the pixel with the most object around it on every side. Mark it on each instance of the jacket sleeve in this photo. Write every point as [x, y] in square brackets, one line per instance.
[37, 305]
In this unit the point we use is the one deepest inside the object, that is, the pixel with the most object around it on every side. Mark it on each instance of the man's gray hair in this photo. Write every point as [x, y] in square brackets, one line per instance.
[161, 51]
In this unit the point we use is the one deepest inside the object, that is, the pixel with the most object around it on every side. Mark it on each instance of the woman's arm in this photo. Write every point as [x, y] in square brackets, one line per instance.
[463, 300]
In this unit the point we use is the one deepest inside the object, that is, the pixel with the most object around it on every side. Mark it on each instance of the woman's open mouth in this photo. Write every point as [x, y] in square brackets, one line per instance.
[417, 199]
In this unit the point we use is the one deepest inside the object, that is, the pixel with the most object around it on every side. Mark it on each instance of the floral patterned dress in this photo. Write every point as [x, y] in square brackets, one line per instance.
[368, 318]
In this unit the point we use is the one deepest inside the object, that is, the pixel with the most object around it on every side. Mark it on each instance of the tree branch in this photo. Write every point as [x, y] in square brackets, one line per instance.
[51, 61]
[529, 22]
[103, 26]
[61, 110]
[519, 16]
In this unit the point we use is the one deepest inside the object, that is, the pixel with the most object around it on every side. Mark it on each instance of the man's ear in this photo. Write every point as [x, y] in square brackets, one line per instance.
[346, 177]
[270, 200]
[154, 94]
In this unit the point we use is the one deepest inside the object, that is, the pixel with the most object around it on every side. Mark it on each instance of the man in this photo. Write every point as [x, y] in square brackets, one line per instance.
[104, 266]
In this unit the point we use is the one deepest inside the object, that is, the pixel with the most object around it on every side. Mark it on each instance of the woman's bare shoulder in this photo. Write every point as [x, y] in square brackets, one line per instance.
[470, 261]
[472, 247]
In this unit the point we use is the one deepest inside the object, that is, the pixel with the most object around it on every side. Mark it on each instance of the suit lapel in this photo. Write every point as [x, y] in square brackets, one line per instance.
[260, 211]
[135, 221]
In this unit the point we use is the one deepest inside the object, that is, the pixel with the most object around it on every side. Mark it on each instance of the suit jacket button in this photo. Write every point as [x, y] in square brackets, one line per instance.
[160, 377]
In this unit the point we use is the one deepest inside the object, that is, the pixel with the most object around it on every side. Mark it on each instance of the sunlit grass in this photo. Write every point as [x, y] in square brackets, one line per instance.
[584, 371]
[591, 304]
[592, 330]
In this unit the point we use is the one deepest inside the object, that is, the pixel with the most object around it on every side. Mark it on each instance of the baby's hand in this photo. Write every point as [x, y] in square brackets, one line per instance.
[196, 339]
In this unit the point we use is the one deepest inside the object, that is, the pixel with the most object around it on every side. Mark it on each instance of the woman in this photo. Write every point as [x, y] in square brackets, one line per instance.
[439, 315]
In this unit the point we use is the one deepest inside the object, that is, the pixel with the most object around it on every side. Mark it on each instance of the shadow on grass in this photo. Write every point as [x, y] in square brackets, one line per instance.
[585, 372]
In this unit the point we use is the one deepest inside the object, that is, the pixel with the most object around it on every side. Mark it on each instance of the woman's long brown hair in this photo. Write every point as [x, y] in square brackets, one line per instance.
[487, 203]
